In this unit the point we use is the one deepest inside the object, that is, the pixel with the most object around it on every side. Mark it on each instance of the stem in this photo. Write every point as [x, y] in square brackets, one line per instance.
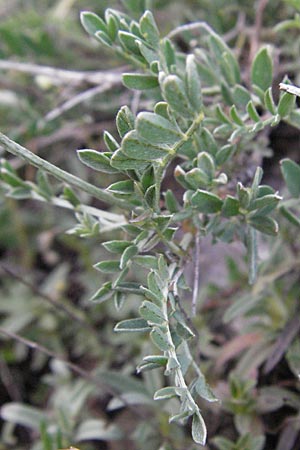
[166, 160]
[27, 155]
[178, 375]
[73, 77]
[196, 273]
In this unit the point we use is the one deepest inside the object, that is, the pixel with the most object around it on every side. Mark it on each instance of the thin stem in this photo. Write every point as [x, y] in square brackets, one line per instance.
[196, 274]
[172, 246]
[172, 153]
[195, 26]
[76, 100]
[53, 302]
[63, 76]
[27, 155]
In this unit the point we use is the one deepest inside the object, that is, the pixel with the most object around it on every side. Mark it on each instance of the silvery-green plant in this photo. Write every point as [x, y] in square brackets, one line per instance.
[202, 121]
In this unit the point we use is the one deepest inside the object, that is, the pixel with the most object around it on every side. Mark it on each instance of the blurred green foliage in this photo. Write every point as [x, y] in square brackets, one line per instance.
[85, 389]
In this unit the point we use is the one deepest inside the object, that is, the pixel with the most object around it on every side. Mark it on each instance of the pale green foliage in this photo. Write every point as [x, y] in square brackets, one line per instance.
[202, 115]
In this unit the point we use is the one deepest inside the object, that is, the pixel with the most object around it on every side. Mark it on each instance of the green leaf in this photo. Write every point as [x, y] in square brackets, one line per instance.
[162, 109]
[206, 163]
[156, 298]
[129, 287]
[171, 202]
[230, 206]
[129, 42]
[127, 255]
[133, 325]
[222, 116]
[125, 121]
[70, 196]
[96, 160]
[146, 366]
[140, 81]
[12, 178]
[235, 116]
[203, 390]
[267, 203]
[168, 392]
[44, 185]
[206, 202]
[148, 261]
[150, 55]
[262, 69]
[208, 142]
[152, 313]
[256, 181]
[222, 52]
[241, 96]
[168, 53]
[116, 246]
[108, 266]
[181, 417]
[149, 29]
[184, 331]
[135, 148]
[291, 174]
[92, 23]
[119, 300]
[286, 104]
[103, 294]
[244, 195]
[252, 111]
[264, 224]
[157, 359]
[160, 339]
[104, 39]
[197, 178]
[193, 83]
[112, 25]
[121, 187]
[156, 129]
[199, 432]
[175, 94]
[269, 101]
[122, 162]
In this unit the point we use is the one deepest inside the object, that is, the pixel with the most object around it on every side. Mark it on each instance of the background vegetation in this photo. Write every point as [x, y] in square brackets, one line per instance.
[66, 377]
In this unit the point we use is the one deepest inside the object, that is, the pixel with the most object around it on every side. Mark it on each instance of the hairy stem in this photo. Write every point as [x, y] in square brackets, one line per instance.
[27, 155]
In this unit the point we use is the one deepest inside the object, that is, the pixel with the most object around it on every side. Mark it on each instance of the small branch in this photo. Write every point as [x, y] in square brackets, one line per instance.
[180, 307]
[56, 304]
[74, 101]
[239, 27]
[196, 274]
[255, 38]
[27, 155]
[64, 76]
[192, 27]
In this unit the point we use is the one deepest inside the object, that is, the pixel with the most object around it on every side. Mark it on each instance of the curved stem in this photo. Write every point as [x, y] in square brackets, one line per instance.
[27, 155]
